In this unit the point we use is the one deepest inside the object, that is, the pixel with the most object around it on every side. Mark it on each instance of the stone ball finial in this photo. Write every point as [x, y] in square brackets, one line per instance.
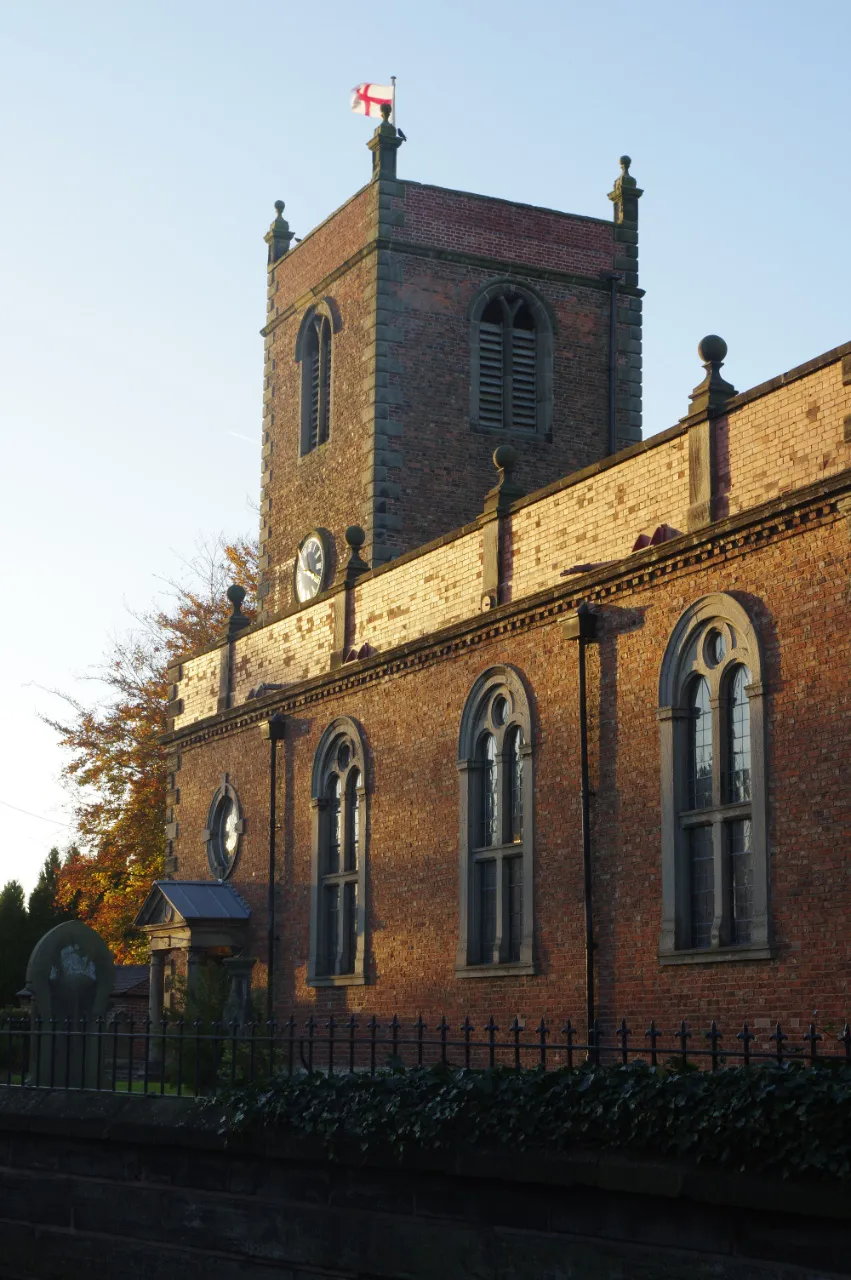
[385, 110]
[505, 458]
[279, 208]
[355, 537]
[236, 594]
[712, 349]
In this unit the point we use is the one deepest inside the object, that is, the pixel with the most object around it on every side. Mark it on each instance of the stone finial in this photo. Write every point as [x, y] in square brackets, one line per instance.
[712, 394]
[356, 565]
[384, 144]
[506, 490]
[237, 621]
[278, 237]
[625, 194]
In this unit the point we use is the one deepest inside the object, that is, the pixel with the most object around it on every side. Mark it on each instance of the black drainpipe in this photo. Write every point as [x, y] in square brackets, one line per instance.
[582, 627]
[273, 732]
[613, 277]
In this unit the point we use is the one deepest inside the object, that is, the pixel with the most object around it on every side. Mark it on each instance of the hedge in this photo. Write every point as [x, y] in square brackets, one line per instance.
[788, 1118]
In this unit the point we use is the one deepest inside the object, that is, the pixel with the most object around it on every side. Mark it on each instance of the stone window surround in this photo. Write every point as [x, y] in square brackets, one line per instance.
[328, 309]
[509, 682]
[343, 729]
[676, 674]
[224, 791]
[505, 287]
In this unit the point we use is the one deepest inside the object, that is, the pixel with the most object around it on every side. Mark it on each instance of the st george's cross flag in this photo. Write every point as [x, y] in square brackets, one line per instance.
[367, 98]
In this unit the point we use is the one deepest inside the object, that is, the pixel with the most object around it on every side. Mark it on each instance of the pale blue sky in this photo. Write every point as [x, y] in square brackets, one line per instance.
[142, 147]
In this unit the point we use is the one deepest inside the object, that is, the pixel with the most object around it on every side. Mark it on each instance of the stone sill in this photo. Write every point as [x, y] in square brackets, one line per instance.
[494, 970]
[480, 429]
[338, 980]
[722, 955]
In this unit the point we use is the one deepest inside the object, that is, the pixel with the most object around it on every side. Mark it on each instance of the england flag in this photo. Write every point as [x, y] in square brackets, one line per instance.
[367, 98]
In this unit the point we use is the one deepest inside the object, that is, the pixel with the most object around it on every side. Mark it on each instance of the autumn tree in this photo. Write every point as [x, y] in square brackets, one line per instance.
[116, 769]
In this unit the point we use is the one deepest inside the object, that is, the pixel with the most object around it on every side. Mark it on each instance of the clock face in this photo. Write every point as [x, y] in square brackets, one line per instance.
[310, 568]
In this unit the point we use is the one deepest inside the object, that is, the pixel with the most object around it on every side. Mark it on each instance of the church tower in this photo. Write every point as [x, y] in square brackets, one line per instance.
[411, 333]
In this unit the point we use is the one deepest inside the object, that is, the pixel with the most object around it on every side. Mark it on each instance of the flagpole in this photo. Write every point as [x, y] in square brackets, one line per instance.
[393, 103]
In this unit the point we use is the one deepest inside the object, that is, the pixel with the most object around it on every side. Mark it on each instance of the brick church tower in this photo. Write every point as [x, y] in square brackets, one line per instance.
[412, 332]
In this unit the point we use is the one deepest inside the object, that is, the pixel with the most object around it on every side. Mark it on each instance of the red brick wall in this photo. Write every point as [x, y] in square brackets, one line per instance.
[411, 725]
[328, 487]
[503, 229]
[432, 383]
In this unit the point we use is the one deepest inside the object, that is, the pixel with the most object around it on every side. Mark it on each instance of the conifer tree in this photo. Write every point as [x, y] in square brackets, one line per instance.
[14, 942]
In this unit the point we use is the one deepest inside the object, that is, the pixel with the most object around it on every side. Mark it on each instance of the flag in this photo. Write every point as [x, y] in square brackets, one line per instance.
[367, 98]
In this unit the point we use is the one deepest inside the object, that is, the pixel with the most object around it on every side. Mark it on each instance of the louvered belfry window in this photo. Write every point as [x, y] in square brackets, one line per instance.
[508, 366]
[316, 384]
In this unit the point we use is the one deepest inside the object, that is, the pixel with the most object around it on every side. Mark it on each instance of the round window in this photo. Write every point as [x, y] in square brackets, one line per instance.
[716, 648]
[223, 833]
[499, 710]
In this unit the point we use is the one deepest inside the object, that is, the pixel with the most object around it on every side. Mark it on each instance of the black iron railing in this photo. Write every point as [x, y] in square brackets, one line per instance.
[120, 1054]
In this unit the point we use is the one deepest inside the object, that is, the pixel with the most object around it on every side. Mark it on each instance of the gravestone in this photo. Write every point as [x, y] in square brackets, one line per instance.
[70, 975]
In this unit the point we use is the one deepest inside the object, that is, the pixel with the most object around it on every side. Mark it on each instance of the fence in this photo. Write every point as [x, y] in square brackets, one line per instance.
[180, 1058]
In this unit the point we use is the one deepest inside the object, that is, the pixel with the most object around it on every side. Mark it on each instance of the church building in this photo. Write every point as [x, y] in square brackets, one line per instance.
[537, 718]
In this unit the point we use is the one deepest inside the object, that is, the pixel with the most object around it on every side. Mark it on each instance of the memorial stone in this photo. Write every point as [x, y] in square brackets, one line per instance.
[70, 974]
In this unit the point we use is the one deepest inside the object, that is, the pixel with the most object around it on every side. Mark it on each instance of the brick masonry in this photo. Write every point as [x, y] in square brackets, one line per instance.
[783, 550]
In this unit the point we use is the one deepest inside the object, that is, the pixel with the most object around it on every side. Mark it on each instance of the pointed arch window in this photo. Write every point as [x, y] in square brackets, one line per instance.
[714, 858]
[337, 942]
[511, 376]
[314, 353]
[495, 765]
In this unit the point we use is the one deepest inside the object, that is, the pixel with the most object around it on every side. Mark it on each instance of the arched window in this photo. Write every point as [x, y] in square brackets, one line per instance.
[495, 765]
[337, 941]
[511, 374]
[714, 851]
[313, 352]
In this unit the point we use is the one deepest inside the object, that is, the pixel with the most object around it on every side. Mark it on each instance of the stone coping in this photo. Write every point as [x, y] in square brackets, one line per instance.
[185, 1123]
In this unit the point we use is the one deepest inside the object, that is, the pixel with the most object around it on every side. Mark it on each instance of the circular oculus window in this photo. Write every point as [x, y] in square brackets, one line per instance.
[224, 832]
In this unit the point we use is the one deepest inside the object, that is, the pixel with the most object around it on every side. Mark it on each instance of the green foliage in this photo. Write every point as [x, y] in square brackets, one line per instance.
[792, 1119]
[43, 909]
[216, 1060]
[14, 1040]
[14, 941]
[20, 929]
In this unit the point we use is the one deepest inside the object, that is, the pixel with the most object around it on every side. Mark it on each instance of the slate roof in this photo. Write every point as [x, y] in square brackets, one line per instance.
[128, 976]
[203, 899]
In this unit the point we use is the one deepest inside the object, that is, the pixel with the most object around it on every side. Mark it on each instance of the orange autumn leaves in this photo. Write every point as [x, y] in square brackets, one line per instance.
[116, 769]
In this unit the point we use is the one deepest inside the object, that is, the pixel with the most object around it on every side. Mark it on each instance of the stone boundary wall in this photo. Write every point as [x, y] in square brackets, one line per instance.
[791, 436]
[145, 1188]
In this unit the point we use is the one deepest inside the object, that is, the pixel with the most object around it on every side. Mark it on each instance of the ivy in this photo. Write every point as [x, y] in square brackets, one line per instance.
[788, 1118]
